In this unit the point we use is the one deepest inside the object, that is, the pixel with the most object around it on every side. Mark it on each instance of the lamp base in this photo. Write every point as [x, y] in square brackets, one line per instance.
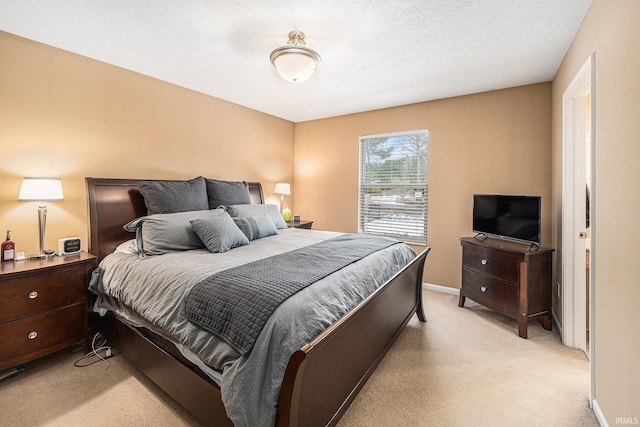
[45, 255]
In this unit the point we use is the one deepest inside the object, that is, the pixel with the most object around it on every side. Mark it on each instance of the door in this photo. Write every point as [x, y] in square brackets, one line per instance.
[578, 122]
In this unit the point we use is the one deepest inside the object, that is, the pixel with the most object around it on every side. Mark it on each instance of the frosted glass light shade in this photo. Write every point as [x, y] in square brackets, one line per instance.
[295, 64]
[41, 190]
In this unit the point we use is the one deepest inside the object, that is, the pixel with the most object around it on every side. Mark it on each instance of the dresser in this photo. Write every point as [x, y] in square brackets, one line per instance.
[44, 307]
[508, 277]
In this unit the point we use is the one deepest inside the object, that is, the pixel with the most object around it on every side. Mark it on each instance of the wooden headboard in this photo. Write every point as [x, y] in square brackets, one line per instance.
[114, 202]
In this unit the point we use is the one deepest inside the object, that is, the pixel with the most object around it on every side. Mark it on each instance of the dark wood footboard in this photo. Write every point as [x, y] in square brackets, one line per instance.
[324, 377]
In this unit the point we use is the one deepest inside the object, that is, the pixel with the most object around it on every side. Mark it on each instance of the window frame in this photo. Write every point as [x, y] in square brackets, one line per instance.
[422, 187]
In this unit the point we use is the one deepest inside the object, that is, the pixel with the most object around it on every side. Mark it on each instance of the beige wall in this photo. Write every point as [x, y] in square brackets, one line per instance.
[494, 142]
[68, 116]
[611, 30]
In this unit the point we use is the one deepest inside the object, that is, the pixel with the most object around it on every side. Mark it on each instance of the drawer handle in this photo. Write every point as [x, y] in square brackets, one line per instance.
[32, 335]
[33, 294]
[483, 262]
[483, 289]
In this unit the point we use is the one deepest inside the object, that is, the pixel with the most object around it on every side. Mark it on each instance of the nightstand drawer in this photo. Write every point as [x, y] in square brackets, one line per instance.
[494, 263]
[490, 292]
[20, 298]
[29, 338]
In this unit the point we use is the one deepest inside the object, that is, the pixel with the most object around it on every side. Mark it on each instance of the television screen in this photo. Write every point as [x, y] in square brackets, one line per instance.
[513, 217]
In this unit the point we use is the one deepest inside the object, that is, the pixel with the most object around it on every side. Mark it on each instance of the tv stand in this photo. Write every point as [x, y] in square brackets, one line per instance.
[508, 278]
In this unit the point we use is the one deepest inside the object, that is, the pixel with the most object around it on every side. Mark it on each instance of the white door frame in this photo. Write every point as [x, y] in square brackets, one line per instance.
[574, 293]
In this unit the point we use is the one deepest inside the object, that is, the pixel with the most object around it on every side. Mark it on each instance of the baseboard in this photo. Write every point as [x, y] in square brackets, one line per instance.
[599, 415]
[557, 324]
[440, 288]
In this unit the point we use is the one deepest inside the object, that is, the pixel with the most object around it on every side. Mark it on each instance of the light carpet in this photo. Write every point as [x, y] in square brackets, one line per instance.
[464, 367]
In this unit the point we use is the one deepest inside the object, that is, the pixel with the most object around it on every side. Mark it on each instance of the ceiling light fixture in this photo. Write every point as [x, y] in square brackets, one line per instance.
[295, 63]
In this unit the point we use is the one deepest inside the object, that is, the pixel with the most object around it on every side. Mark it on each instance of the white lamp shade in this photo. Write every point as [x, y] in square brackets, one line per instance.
[41, 190]
[282, 188]
[294, 66]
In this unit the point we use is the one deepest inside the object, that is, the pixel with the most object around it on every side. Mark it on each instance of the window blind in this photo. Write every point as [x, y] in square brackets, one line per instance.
[393, 185]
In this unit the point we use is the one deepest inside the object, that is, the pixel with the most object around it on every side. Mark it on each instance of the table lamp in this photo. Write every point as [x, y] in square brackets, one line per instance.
[41, 190]
[283, 189]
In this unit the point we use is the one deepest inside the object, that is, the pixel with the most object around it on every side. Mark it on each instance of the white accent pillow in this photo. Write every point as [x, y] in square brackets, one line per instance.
[130, 247]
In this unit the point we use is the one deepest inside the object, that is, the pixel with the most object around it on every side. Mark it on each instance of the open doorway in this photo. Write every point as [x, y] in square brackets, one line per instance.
[578, 222]
[589, 185]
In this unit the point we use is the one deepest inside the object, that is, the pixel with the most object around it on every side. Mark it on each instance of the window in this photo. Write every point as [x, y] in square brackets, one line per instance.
[393, 185]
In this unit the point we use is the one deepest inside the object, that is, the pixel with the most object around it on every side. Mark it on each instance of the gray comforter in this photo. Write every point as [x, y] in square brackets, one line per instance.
[235, 304]
[157, 288]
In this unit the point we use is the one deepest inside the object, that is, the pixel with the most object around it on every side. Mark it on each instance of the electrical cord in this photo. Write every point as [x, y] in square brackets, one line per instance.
[103, 347]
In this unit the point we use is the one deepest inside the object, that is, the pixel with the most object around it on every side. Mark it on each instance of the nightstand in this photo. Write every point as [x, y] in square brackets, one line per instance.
[44, 307]
[300, 224]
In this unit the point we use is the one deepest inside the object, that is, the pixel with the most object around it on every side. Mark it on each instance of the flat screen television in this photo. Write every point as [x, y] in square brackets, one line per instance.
[506, 216]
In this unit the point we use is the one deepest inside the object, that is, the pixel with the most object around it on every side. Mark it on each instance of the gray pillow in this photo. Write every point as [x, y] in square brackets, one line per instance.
[172, 196]
[162, 233]
[224, 193]
[257, 227]
[251, 211]
[219, 233]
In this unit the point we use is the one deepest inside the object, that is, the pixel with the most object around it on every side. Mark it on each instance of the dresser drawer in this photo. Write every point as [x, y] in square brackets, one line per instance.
[27, 339]
[24, 297]
[494, 263]
[490, 292]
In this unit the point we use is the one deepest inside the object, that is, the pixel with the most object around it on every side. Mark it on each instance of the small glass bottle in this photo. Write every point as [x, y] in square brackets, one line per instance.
[7, 250]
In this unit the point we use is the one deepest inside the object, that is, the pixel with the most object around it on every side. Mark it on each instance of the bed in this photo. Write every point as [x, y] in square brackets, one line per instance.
[321, 378]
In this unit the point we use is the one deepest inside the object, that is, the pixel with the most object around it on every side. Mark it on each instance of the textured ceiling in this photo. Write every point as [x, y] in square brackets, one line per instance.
[375, 53]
